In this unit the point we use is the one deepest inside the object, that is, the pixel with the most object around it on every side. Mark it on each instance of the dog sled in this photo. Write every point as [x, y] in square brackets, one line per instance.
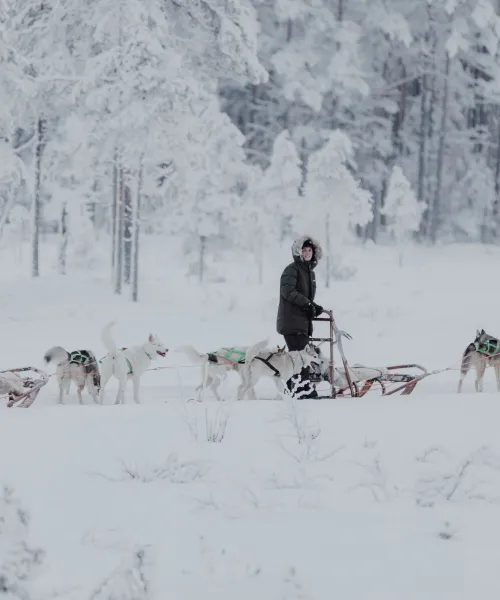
[21, 386]
[356, 380]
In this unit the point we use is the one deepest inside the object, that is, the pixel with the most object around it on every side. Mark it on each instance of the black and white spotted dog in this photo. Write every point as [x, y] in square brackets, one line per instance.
[79, 366]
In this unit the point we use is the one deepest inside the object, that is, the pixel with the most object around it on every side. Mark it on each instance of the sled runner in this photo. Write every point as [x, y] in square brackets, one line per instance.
[357, 380]
[22, 390]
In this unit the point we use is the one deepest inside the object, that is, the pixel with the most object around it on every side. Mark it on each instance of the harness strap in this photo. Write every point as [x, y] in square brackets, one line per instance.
[266, 362]
[130, 370]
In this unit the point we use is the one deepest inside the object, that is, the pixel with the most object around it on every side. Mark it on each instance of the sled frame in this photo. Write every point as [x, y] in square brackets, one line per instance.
[359, 389]
[32, 386]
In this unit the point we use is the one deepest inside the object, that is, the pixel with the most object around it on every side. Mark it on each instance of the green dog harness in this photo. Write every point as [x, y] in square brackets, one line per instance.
[79, 358]
[236, 356]
[489, 348]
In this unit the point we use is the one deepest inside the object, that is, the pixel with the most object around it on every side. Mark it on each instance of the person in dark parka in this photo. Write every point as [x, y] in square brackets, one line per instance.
[297, 308]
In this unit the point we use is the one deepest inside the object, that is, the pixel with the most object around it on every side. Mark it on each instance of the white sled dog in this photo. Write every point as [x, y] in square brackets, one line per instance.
[280, 366]
[80, 367]
[127, 363]
[216, 366]
[484, 351]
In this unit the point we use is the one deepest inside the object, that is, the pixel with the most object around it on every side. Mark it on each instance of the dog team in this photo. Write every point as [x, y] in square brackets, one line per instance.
[252, 363]
[129, 364]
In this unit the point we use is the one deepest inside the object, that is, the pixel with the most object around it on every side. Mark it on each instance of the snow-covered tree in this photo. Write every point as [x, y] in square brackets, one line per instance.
[334, 201]
[19, 562]
[402, 209]
[271, 201]
[12, 175]
[280, 185]
[17, 232]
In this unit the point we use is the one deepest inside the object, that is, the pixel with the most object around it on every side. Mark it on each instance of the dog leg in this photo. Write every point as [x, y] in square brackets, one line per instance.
[92, 388]
[480, 369]
[214, 384]
[61, 392]
[242, 390]
[247, 389]
[105, 377]
[201, 388]
[497, 375]
[136, 381]
[281, 387]
[120, 396]
[251, 391]
[79, 389]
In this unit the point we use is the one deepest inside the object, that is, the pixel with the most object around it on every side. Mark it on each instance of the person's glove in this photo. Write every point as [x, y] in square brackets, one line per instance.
[318, 309]
[311, 310]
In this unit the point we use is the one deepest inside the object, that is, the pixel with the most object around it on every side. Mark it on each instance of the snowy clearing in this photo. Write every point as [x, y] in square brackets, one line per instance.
[383, 498]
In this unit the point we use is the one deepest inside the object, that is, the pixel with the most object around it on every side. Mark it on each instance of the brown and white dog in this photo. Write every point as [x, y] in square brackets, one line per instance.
[483, 352]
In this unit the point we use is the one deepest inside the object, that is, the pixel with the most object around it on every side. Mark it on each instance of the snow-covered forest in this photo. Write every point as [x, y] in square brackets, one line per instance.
[235, 124]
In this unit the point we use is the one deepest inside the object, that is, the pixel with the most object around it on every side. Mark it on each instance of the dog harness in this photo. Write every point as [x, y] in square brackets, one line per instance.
[130, 370]
[79, 357]
[490, 348]
[272, 367]
[235, 356]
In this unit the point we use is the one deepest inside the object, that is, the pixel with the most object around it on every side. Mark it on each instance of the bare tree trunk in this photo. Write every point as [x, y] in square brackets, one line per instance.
[35, 235]
[422, 154]
[128, 232]
[63, 247]
[6, 208]
[119, 235]
[136, 228]
[435, 214]
[340, 11]
[496, 205]
[376, 208]
[114, 209]
[328, 250]
[201, 271]
[260, 257]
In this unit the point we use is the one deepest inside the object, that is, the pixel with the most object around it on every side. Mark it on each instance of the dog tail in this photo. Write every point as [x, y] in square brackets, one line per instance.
[193, 354]
[107, 338]
[466, 359]
[56, 353]
[254, 350]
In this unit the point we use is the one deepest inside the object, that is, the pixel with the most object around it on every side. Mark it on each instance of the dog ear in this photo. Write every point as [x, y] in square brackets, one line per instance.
[281, 350]
[151, 337]
[483, 331]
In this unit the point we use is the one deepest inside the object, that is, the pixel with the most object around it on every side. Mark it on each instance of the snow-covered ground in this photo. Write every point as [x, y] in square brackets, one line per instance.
[395, 497]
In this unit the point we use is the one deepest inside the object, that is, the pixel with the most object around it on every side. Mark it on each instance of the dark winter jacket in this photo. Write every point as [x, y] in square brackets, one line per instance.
[297, 290]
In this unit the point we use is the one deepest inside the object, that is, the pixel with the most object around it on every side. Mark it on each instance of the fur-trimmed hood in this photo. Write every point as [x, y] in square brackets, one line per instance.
[297, 248]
